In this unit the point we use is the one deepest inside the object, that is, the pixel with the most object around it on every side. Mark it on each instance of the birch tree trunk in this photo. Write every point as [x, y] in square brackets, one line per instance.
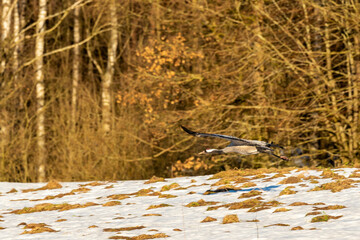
[76, 67]
[16, 40]
[40, 91]
[5, 30]
[108, 76]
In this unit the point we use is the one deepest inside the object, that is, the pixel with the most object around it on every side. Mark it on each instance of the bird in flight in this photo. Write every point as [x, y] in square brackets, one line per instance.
[238, 145]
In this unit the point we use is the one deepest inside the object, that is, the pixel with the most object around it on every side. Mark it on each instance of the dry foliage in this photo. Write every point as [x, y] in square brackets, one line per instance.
[282, 71]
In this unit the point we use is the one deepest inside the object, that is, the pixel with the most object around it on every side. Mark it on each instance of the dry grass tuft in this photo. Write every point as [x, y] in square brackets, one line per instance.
[51, 207]
[298, 204]
[248, 185]
[278, 224]
[52, 184]
[141, 237]
[355, 174]
[327, 173]
[78, 190]
[111, 203]
[200, 203]
[151, 214]
[324, 218]
[331, 207]
[208, 219]
[12, 191]
[290, 180]
[232, 218]
[158, 206]
[155, 179]
[169, 187]
[37, 228]
[287, 191]
[252, 193]
[312, 213]
[335, 186]
[61, 220]
[281, 210]
[118, 196]
[122, 229]
[93, 184]
[167, 196]
[297, 228]
[249, 203]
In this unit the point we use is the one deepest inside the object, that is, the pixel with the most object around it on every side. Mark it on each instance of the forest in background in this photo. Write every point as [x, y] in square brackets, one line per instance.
[97, 90]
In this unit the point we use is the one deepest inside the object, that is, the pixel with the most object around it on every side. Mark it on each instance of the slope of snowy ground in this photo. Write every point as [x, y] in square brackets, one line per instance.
[237, 204]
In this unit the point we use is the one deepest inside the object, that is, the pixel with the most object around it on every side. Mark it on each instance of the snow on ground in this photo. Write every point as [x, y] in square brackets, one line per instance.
[138, 210]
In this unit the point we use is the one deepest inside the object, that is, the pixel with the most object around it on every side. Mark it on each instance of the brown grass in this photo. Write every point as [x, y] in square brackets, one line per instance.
[297, 228]
[208, 219]
[12, 191]
[93, 184]
[52, 184]
[151, 214]
[232, 218]
[37, 228]
[328, 173]
[335, 186]
[312, 213]
[278, 224]
[118, 196]
[298, 204]
[324, 218]
[281, 210]
[249, 203]
[51, 207]
[331, 207]
[167, 196]
[290, 180]
[141, 237]
[155, 179]
[122, 229]
[61, 220]
[158, 206]
[111, 203]
[78, 190]
[200, 203]
[287, 191]
[169, 187]
[252, 193]
[248, 185]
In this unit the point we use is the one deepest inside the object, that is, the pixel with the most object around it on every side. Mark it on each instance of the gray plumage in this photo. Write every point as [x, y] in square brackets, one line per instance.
[238, 145]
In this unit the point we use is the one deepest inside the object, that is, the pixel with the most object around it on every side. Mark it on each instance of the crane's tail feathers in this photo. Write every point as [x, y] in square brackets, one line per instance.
[189, 131]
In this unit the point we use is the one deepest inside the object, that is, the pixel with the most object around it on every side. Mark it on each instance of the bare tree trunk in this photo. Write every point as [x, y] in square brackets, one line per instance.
[16, 40]
[40, 91]
[4, 116]
[258, 60]
[5, 31]
[76, 67]
[108, 76]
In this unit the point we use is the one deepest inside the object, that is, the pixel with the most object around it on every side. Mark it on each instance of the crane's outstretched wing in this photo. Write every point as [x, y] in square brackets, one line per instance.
[234, 140]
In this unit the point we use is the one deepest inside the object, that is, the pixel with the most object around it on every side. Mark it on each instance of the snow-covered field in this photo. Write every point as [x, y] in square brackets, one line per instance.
[237, 204]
